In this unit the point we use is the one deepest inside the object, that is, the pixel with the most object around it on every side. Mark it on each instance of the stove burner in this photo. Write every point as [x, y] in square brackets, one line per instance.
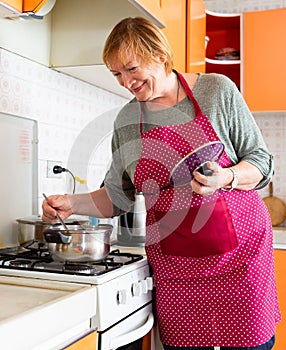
[36, 256]
[78, 268]
[23, 263]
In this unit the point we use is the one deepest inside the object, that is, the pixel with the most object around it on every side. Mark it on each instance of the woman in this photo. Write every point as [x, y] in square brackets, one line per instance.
[209, 241]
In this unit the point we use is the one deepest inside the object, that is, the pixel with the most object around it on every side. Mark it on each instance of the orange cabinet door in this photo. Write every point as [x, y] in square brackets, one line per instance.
[280, 271]
[264, 60]
[196, 32]
[33, 5]
[174, 14]
[152, 8]
[15, 4]
[89, 342]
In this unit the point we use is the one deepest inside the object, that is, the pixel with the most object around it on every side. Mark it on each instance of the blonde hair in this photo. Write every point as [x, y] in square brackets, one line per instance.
[142, 38]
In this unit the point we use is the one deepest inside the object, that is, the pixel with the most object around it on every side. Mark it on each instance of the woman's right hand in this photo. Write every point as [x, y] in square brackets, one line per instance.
[56, 204]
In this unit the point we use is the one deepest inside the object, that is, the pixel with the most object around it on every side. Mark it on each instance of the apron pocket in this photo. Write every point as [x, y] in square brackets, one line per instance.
[206, 230]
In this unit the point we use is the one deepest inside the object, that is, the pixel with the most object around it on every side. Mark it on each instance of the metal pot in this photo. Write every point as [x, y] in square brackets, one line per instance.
[31, 228]
[80, 243]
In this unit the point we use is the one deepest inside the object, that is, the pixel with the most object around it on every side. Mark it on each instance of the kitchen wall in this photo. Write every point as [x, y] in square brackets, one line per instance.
[73, 116]
[273, 128]
[64, 108]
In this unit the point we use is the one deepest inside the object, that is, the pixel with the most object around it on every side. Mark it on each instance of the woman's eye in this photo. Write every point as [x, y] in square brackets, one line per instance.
[133, 69]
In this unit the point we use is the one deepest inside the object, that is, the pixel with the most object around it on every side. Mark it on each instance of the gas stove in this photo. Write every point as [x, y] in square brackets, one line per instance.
[123, 283]
[34, 259]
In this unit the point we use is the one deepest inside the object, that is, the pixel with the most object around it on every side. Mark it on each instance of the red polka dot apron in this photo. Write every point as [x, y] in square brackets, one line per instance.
[212, 256]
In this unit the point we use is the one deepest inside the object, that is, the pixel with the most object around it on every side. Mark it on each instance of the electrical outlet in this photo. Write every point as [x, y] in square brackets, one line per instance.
[50, 167]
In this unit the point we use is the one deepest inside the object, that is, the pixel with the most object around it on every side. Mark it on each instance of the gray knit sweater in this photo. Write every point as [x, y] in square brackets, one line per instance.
[220, 100]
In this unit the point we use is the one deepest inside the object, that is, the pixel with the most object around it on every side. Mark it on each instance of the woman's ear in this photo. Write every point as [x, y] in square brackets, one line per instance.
[162, 59]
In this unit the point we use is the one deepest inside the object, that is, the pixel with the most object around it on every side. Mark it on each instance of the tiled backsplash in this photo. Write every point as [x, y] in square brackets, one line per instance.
[63, 107]
[273, 128]
[73, 115]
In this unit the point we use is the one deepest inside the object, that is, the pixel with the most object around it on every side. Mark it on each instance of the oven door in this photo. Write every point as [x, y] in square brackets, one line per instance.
[128, 334]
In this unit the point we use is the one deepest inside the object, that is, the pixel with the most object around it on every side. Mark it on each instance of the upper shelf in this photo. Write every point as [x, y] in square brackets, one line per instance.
[222, 62]
[223, 47]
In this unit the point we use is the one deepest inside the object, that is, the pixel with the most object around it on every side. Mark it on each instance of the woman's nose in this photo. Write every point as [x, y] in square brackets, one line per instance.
[127, 81]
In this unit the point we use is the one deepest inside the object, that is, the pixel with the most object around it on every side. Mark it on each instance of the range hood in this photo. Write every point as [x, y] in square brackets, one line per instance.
[26, 9]
[79, 30]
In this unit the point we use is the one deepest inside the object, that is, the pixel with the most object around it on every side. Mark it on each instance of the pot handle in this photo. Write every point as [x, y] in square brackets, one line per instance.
[53, 236]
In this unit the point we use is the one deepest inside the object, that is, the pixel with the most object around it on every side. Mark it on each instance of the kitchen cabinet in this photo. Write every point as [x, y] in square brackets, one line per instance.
[280, 271]
[34, 5]
[223, 32]
[182, 22]
[174, 13]
[151, 7]
[25, 6]
[185, 31]
[78, 33]
[14, 4]
[80, 28]
[86, 343]
[259, 71]
[264, 60]
[196, 32]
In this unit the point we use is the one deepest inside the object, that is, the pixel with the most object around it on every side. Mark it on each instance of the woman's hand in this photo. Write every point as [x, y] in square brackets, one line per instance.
[96, 203]
[56, 203]
[207, 185]
[248, 177]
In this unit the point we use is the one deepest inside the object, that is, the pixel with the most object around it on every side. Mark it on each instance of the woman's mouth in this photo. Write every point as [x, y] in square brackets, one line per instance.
[137, 89]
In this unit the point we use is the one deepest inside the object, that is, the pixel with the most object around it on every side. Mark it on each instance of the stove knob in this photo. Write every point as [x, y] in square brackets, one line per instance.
[144, 286]
[137, 289]
[122, 296]
[149, 281]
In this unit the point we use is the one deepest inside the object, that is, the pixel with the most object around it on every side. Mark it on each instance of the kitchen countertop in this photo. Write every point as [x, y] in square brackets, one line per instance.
[41, 315]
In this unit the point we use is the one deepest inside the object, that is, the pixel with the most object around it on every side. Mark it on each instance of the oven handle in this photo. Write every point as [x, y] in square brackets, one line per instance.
[130, 337]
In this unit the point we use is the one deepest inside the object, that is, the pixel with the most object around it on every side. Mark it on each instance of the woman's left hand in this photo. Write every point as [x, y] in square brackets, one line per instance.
[207, 185]
[248, 176]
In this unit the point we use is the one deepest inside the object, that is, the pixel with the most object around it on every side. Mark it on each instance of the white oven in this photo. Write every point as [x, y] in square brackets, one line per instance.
[124, 309]
[123, 285]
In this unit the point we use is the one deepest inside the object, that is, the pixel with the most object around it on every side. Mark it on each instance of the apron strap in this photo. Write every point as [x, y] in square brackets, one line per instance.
[140, 121]
[189, 93]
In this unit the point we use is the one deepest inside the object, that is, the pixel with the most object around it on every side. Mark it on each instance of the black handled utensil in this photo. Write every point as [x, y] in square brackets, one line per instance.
[204, 170]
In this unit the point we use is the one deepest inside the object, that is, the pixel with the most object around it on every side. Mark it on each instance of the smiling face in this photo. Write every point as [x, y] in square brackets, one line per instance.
[140, 57]
[145, 80]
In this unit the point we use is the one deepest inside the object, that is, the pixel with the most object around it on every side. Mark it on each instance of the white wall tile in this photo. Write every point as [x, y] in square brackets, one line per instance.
[62, 106]
[273, 128]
